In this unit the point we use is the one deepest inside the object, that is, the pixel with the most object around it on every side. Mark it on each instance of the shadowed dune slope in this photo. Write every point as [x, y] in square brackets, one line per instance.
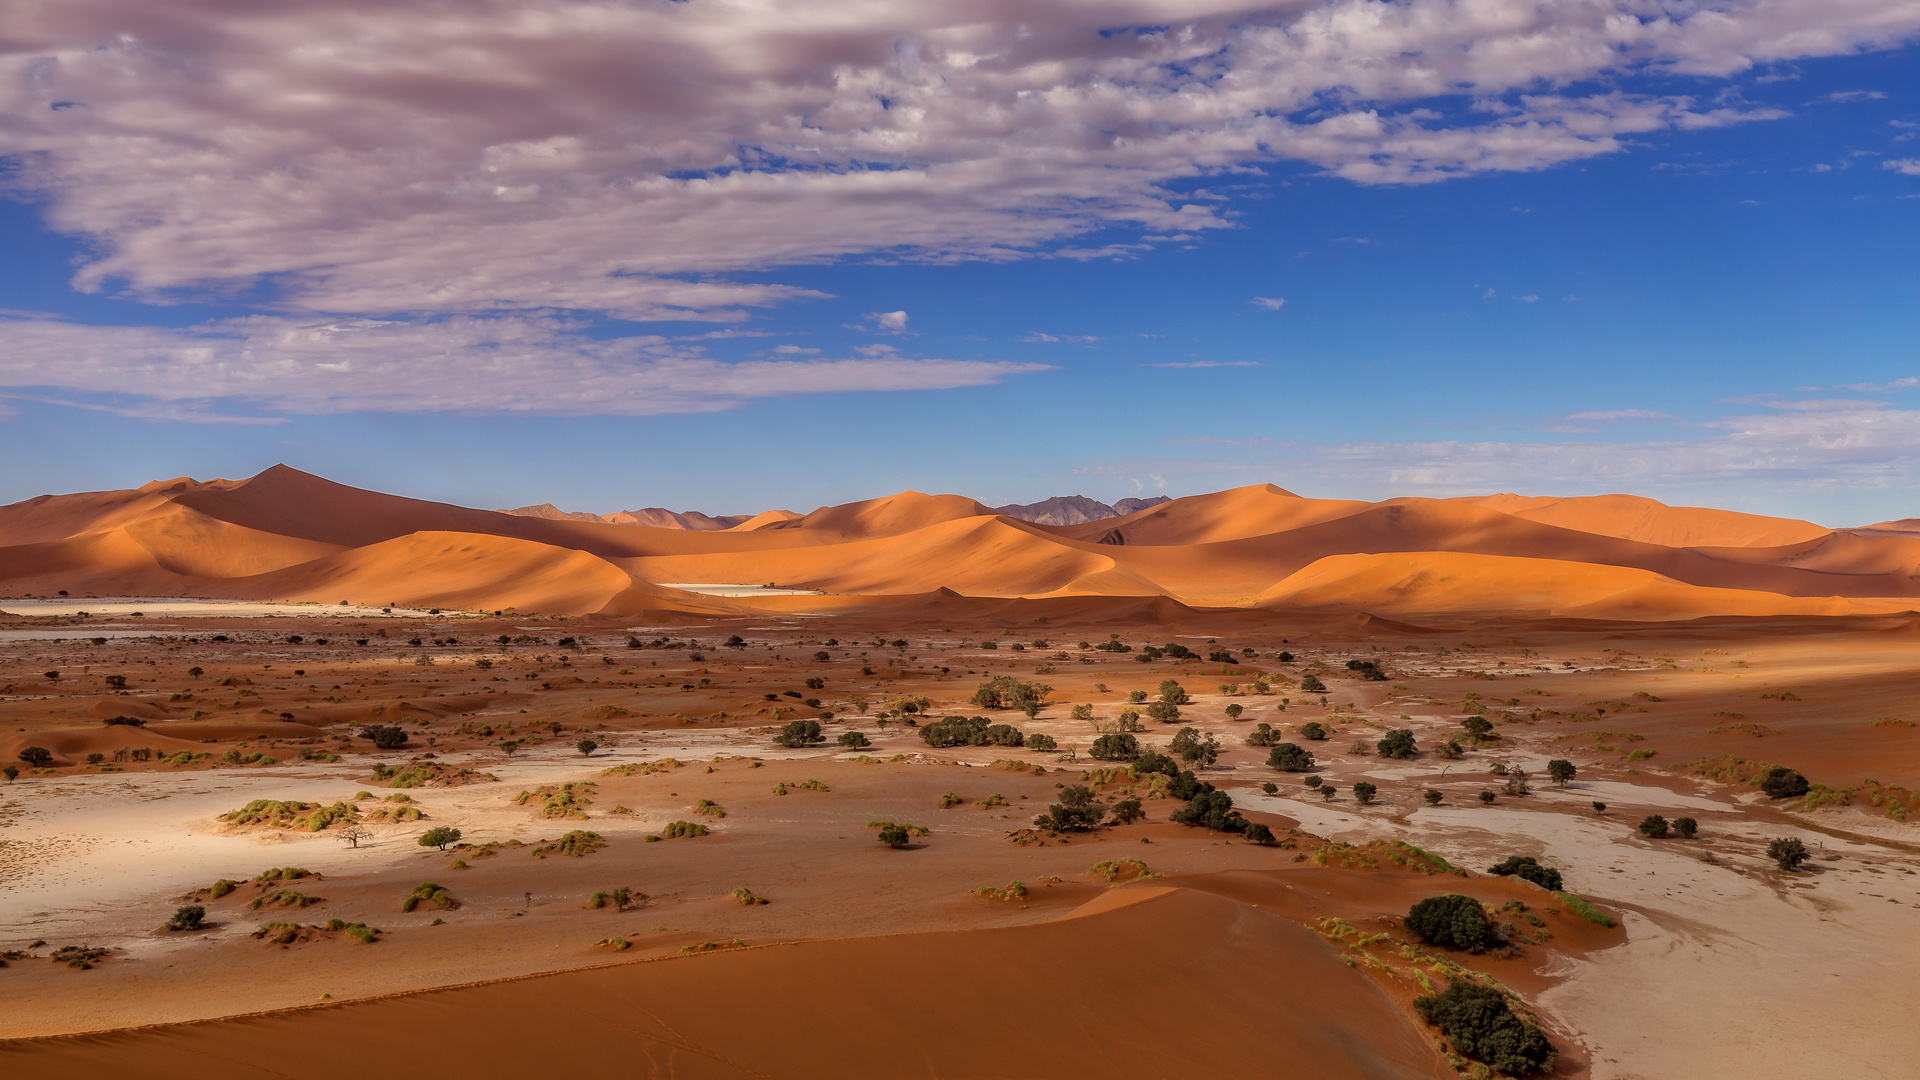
[1630, 517]
[1110, 1004]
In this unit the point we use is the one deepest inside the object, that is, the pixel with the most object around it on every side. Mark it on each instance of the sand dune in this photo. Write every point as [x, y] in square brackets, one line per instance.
[451, 570]
[285, 534]
[1410, 583]
[1101, 1002]
[1630, 517]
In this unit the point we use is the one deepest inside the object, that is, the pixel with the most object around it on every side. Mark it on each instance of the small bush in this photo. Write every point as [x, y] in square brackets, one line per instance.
[1315, 731]
[854, 739]
[1272, 788]
[1781, 782]
[1788, 852]
[1686, 827]
[1042, 742]
[221, 888]
[1397, 744]
[800, 733]
[1257, 833]
[1527, 868]
[709, 808]
[191, 917]
[1487, 797]
[744, 895]
[683, 828]
[1451, 921]
[1289, 757]
[1115, 746]
[1365, 792]
[1128, 811]
[1482, 1025]
[428, 893]
[1653, 827]
[1433, 797]
[439, 837]
[1583, 909]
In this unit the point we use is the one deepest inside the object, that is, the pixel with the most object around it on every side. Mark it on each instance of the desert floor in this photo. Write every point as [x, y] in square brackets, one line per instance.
[1206, 952]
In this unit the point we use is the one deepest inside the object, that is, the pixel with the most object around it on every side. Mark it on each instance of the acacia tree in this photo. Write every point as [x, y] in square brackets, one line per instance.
[1560, 770]
[353, 834]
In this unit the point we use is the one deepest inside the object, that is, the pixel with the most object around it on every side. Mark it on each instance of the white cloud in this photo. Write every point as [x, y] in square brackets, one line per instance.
[1271, 303]
[1908, 166]
[1206, 364]
[1038, 338]
[1621, 414]
[1774, 454]
[512, 364]
[1839, 97]
[885, 322]
[348, 156]
[1907, 383]
[795, 350]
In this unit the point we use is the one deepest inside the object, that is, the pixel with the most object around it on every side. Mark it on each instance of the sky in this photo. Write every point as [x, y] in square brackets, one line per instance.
[732, 256]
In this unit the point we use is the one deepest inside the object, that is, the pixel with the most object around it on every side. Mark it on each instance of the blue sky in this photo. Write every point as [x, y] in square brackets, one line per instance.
[1689, 273]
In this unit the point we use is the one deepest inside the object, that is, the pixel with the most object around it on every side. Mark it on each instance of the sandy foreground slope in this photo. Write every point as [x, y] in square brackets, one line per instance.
[873, 962]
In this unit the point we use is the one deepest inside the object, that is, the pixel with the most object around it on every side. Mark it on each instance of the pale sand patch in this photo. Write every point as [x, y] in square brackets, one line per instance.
[1730, 970]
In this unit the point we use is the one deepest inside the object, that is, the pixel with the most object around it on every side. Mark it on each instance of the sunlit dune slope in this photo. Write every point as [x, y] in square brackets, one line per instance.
[1224, 515]
[1630, 517]
[287, 535]
[888, 516]
[1233, 570]
[1409, 583]
[450, 570]
[1107, 1009]
[986, 556]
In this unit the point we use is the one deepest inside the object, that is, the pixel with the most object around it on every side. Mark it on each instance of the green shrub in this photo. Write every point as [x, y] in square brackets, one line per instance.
[282, 898]
[1042, 742]
[191, 917]
[1781, 782]
[1289, 757]
[1315, 731]
[1115, 746]
[1583, 909]
[744, 895]
[1686, 827]
[1788, 852]
[1075, 812]
[1482, 1025]
[1451, 921]
[1560, 770]
[1527, 868]
[709, 808]
[1433, 797]
[854, 740]
[428, 893]
[221, 888]
[1653, 827]
[1128, 811]
[1365, 792]
[439, 837]
[683, 828]
[1257, 833]
[1210, 809]
[1311, 684]
[1262, 735]
[800, 733]
[578, 844]
[1397, 744]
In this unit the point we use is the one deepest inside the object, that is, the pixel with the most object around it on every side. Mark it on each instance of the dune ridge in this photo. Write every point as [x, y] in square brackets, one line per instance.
[285, 534]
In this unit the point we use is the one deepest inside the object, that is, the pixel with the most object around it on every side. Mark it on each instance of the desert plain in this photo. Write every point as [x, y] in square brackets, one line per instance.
[714, 822]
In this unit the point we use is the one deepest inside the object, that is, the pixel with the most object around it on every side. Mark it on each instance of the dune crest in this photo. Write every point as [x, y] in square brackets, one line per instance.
[286, 534]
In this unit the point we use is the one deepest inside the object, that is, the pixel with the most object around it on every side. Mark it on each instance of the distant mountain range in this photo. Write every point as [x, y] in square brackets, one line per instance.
[1076, 509]
[652, 516]
[1059, 510]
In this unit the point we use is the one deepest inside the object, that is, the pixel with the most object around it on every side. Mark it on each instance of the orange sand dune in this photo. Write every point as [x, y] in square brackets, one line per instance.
[287, 535]
[1110, 993]
[1224, 515]
[887, 516]
[1457, 583]
[449, 570]
[987, 555]
[1630, 517]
